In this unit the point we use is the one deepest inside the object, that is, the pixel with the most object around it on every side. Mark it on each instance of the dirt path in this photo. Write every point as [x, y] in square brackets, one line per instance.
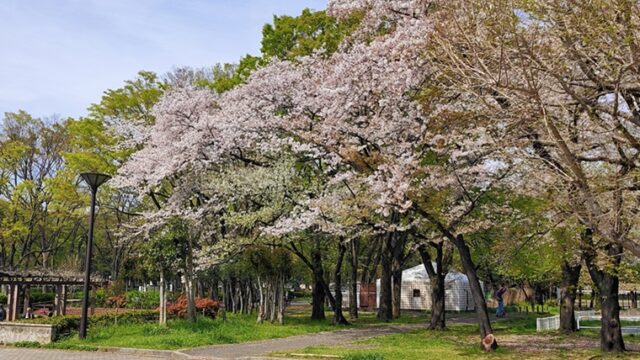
[330, 338]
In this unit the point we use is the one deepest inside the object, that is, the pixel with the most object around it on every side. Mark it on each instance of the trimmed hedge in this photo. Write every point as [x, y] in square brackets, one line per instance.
[36, 296]
[68, 324]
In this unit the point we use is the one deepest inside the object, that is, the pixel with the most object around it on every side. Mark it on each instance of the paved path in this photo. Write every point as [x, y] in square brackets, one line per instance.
[11, 353]
[329, 338]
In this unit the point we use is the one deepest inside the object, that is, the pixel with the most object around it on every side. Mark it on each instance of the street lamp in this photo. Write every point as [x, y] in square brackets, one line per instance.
[94, 181]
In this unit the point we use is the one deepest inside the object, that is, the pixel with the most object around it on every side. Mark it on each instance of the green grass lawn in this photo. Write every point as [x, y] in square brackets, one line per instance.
[183, 333]
[517, 336]
[237, 328]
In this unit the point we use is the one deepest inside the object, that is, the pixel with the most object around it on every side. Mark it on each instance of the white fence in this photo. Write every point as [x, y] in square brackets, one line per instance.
[625, 329]
[553, 322]
[548, 323]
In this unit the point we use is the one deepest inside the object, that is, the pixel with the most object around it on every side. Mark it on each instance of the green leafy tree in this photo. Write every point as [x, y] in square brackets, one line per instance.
[290, 37]
[41, 209]
[131, 103]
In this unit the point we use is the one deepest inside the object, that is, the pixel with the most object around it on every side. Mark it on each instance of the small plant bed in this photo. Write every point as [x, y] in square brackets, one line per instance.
[69, 324]
[516, 335]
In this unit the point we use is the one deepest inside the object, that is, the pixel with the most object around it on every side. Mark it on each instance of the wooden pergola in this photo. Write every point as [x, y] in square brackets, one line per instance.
[23, 280]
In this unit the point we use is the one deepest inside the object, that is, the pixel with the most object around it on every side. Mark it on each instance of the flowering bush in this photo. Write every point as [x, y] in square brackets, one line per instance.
[206, 306]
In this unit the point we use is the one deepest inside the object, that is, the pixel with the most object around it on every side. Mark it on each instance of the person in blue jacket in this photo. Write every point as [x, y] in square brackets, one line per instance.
[500, 311]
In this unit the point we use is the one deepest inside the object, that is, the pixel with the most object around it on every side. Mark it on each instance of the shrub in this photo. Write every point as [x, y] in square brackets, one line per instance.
[205, 306]
[101, 297]
[208, 307]
[128, 317]
[75, 295]
[551, 302]
[142, 300]
[116, 301]
[27, 344]
[68, 324]
[3, 298]
[37, 296]
[301, 294]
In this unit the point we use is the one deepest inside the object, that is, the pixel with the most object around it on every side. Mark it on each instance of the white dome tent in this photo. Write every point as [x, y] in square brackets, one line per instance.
[416, 291]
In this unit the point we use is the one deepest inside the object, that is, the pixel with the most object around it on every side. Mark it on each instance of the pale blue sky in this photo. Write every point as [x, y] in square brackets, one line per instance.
[58, 56]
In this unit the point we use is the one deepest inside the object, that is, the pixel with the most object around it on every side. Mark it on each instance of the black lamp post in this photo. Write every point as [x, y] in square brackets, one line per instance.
[94, 181]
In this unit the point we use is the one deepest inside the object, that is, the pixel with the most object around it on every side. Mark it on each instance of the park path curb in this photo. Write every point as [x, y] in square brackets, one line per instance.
[175, 354]
[163, 354]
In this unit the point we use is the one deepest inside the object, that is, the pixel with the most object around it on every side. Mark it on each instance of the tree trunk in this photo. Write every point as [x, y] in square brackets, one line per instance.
[353, 279]
[568, 288]
[191, 298]
[370, 268]
[241, 298]
[436, 280]
[317, 298]
[318, 295]
[611, 330]
[385, 309]
[474, 283]
[189, 283]
[338, 317]
[228, 299]
[213, 291]
[374, 245]
[163, 300]
[261, 305]
[249, 298]
[607, 284]
[398, 242]
[396, 291]
[281, 299]
[247, 294]
[236, 299]
[438, 304]
[273, 293]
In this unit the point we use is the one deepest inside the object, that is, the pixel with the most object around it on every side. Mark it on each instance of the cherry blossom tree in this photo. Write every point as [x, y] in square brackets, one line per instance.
[373, 109]
[563, 78]
[382, 115]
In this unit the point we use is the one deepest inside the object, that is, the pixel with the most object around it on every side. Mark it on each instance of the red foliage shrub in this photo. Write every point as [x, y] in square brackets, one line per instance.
[117, 301]
[205, 306]
[42, 312]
